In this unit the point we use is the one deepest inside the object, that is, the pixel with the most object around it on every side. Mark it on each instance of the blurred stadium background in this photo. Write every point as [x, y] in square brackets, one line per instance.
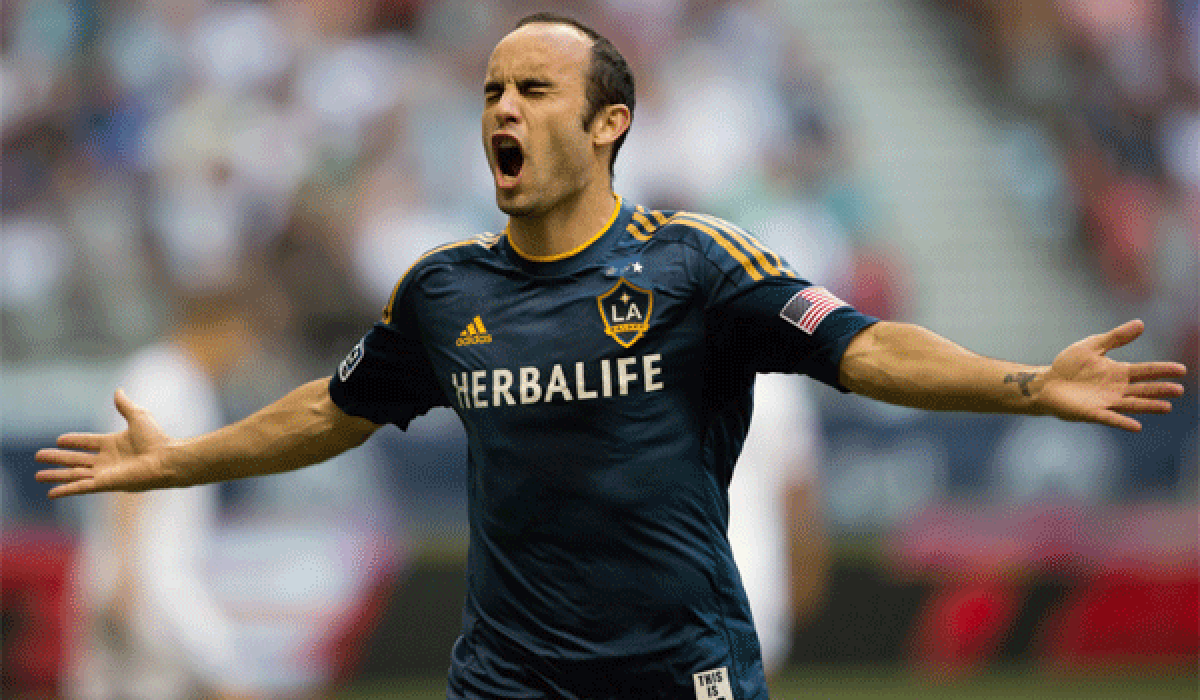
[1015, 174]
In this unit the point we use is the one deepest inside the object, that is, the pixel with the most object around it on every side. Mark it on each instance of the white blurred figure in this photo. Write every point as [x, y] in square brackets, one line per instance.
[775, 524]
[1045, 460]
[152, 627]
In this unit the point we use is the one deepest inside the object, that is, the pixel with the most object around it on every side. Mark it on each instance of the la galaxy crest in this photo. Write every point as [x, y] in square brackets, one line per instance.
[626, 312]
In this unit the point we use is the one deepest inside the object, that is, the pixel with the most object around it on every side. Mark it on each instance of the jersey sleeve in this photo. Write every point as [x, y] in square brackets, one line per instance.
[387, 377]
[770, 318]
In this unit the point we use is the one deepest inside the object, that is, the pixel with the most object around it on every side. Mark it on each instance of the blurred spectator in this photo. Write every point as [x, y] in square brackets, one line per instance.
[151, 626]
[776, 525]
[1059, 462]
[1117, 84]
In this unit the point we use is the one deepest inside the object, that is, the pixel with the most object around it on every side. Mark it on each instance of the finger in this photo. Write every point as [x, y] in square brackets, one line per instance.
[60, 476]
[1141, 371]
[64, 458]
[1155, 390]
[1123, 334]
[125, 406]
[1117, 420]
[1136, 405]
[74, 488]
[80, 441]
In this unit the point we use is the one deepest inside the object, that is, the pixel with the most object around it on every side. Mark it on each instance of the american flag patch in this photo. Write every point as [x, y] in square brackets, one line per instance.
[809, 307]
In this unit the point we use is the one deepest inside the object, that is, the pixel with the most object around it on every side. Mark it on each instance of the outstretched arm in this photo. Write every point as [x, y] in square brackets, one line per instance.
[905, 364]
[302, 428]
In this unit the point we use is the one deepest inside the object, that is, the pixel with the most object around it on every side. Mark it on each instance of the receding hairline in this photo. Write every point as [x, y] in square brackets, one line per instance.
[588, 40]
[583, 55]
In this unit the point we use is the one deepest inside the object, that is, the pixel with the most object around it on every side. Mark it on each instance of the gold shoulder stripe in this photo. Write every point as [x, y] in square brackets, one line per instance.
[633, 230]
[641, 219]
[659, 217]
[642, 228]
[478, 240]
[721, 241]
[768, 252]
[748, 242]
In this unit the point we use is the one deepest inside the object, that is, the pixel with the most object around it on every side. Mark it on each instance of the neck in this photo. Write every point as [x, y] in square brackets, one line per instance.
[564, 228]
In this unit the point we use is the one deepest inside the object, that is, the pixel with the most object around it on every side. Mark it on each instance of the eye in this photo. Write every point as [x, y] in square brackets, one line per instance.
[534, 88]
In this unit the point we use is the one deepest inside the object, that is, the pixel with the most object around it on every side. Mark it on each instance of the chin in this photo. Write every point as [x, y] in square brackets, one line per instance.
[513, 207]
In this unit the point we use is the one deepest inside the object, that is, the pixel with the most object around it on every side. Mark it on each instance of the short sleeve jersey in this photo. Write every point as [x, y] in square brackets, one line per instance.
[606, 394]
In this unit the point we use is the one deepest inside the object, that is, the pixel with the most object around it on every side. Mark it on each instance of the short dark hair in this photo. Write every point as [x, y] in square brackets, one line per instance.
[609, 79]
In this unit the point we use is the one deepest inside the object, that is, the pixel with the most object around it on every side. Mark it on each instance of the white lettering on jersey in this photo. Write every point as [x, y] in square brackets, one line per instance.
[633, 312]
[624, 376]
[558, 385]
[478, 387]
[501, 383]
[460, 389]
[473, 388]
[531, 391]
[650, 370]
[581, 390]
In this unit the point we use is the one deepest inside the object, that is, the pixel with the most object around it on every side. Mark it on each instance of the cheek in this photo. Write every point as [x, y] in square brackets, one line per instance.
[570, 145]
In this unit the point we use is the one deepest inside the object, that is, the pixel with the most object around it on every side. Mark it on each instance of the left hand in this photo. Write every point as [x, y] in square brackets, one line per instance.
[1084, 384]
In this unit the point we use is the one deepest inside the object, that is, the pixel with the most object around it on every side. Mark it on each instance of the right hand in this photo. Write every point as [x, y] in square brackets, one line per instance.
[131, 460]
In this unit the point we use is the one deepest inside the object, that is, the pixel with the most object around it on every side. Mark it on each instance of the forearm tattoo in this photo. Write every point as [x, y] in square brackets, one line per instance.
[1022, 380]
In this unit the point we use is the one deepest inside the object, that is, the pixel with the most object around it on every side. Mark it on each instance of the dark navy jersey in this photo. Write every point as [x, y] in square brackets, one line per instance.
[606, 394]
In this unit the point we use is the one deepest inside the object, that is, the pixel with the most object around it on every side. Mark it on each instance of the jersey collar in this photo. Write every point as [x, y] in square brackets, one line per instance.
[589, 253]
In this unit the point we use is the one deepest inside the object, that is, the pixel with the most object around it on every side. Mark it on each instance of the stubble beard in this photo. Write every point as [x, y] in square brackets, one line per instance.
[514, 209]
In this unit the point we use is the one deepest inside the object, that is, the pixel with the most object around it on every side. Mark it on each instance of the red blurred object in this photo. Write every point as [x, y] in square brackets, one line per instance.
[1134, 584]
[877, 288]
[1126, 619]
[35, 571]
[962, 625]
[1125, 217]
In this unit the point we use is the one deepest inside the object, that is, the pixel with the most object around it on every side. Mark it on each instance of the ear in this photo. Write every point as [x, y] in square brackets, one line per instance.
[609, 124]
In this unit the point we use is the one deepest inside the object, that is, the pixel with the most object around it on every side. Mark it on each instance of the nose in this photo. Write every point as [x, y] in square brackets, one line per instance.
[506, 108]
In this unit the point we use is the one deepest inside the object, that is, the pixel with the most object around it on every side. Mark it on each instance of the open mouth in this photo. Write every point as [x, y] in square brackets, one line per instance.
[509, 157]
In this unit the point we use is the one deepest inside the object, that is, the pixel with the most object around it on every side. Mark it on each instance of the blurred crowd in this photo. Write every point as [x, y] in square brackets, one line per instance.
[191, 170]
[1110, 89]
[295, 156]
[303, 152]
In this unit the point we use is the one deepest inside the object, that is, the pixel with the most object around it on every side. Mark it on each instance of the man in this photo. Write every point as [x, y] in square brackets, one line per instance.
[776, 527]
[601, 358]
[152, 626]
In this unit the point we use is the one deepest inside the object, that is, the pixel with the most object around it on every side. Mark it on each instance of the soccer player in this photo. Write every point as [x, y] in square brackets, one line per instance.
[601, 357]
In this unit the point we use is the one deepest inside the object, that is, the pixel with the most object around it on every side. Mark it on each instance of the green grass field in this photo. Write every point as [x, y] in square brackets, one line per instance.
[849, 684]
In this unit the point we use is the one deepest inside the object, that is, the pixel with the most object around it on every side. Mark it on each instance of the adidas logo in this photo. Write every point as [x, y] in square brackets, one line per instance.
[475, 334]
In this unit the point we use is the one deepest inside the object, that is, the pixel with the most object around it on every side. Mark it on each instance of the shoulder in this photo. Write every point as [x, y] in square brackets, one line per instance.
[448, 254]
[724, 245]
[454, 252]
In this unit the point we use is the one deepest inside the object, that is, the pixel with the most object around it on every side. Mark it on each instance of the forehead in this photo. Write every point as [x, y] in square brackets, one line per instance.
[540, 50]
